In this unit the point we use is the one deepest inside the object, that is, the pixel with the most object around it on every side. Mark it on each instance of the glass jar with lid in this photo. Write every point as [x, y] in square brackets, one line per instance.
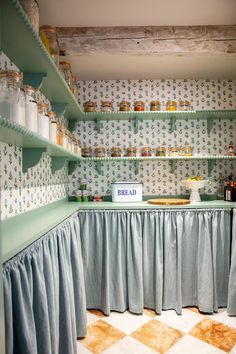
[171, 106]
[43, 120]
[146, 151]
[116, 151]
[124, 106]
[87, 152]
[161, 151]
[187, 150]
[139, 106]
[31, 109]
[155, 105]
[131, 151]
[12, 97]
[48, 35]
[65, 69]
[184, 106]
[59, 134]
[52, 127]
[174, 151]
[99, 151]
[106, 106]
[89, 106]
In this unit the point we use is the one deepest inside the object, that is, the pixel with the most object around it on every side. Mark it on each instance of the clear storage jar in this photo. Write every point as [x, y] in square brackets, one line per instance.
[171, 106]
[12, 97]
[43, 120]
[184, 106]
[65, 69]
[89, 106]
[139, 106]
[52, 127]
[106, 106]
[48, 36]
[31, 8]
[124, 106]
[155, 106]
[31, 109]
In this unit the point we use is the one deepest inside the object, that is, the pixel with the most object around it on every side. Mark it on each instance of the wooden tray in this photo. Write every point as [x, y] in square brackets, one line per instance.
[168, 201]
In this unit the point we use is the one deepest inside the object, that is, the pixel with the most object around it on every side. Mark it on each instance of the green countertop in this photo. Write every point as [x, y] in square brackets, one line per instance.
[20, 231]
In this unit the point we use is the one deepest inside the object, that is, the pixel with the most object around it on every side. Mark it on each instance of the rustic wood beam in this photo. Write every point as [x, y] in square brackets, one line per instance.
[156, 40]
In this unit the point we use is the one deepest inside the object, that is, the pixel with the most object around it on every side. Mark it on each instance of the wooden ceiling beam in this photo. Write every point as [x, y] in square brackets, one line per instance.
[153, 40]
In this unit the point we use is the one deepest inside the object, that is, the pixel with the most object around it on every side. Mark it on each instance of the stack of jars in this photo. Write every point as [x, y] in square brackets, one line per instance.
[67, 140]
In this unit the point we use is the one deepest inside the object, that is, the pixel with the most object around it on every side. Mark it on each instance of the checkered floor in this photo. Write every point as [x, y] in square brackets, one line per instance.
[191, 333]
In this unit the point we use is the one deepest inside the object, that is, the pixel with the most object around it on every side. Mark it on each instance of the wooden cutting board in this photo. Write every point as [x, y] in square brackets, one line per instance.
[168, 201]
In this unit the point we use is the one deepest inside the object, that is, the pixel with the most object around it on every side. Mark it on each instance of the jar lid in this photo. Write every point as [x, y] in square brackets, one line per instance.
[12, 74]
[51, 114]
[139, 103]
[42, 105]
[29, 89]
[89, 104]
[48, 28]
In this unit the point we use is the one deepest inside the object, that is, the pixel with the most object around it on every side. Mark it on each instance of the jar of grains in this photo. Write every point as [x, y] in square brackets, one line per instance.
[131, 152]
[106, 106]
[146, 151]
[171, 106]
[87, 152]
[184, 106]
[124, 106]
[174, 151]
[161, 151]
[99, 152]
[139, 106]
[89, 106]
[155, 106]
[116, 152]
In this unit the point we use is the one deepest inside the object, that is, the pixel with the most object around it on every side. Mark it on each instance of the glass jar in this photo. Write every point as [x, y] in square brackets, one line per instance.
[48, 35]
[74, 88]
[187, 150]
[139, 106]
[31, 109]
[59, 134]
[89, 106]
[99, 152]
[161, 151]
[65, 69]
[174, 151]
[116, 152]
[155, 106]
[146, 151]
[43, 120]
[12, 97]
[171, 106]
[124, 106]
[52, 127]
[106, 106]
[87, 152]
[31, 9]
[184, 105]
[131, 152]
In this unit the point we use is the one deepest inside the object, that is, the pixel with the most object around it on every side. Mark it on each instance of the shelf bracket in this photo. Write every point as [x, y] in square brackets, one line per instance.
[211, 164]
[210, 123]
[136, 121]
[172, 124]
[57, 163]
[136, 167]
[72, 167]
[59, 108]
[72, 125]
[31, 157]
[34, 79]
[98, 167]
[173, 165]
[98, 124]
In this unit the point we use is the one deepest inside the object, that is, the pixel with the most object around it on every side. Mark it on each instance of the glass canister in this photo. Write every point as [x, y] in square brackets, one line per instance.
[106, 106]
[52, 127]
[89, 106]
[74, 88]
[146, 151]
[161, 151]
[59, 134]
[31, 8]
[131, 152]
[31, 108]
[43, 120]
[155, 106]
[174, 151]
[187, 150]
[116, 152]
[87, 152]
[65, 69]
[171, 106]
[99, 151]
[48, 35]
[124, 106]
[12, 97]
[184, 105]
[139, 106]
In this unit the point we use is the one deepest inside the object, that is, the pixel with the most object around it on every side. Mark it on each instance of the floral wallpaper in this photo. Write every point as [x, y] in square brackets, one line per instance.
[156, 175]
[20, 192]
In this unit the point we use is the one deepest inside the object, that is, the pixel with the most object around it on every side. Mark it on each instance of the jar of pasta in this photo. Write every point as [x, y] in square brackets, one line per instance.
[174, 151]
[155, 106]
[31, 108]
[171, 106]
[116, 152]
[146, 151]
[139, 106]
[161, 151]
[106, 106]
[131, 152]
[89, 106]
[124, 106]
[99, 152]
[184, 105]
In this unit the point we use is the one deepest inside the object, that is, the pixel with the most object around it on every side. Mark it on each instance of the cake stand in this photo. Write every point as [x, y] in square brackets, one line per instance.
[194, 186]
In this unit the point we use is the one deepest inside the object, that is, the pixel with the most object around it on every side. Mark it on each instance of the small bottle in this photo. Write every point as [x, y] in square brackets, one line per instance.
[229, 191]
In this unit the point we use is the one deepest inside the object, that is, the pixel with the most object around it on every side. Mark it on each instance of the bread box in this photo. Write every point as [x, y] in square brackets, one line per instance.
[127, 192]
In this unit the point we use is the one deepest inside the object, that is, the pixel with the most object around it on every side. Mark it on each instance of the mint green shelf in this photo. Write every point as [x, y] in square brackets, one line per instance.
[23, 46]
[34, 145]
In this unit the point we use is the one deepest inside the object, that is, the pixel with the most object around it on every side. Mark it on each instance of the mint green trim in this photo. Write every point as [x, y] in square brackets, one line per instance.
[159, 158]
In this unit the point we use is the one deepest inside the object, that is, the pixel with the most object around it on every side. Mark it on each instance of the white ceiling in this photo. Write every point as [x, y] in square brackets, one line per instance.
[78, 13]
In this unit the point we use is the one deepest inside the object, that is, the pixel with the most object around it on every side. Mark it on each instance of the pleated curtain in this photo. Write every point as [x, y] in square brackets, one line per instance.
[231, 307]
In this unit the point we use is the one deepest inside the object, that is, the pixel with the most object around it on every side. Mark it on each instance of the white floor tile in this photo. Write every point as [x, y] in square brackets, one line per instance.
[91, 318]
[184, 322]
[82, 350]
[126, 322]
[191, 345]
[224, 318]
[129, 345]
